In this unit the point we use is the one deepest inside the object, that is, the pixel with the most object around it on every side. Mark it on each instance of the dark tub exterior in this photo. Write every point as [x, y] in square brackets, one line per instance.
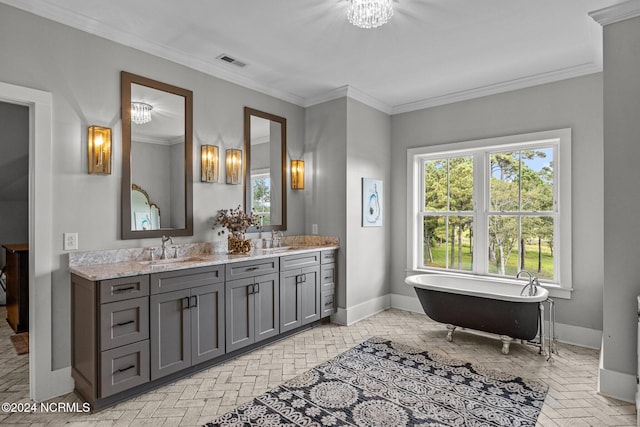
[485, 304]
[514, 319]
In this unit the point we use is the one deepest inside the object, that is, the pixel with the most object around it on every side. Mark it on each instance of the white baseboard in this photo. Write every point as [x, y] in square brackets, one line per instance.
[361, 311]
[569, 334]
[616, 384]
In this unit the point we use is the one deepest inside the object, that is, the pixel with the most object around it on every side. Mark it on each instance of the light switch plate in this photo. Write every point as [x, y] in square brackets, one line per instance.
[314, 228]
[69, 241]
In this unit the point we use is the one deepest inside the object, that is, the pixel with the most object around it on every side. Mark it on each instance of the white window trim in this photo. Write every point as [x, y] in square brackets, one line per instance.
[562, 175]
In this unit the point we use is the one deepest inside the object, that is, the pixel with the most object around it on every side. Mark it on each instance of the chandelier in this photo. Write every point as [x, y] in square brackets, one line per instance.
[369, 13]
[140, 113]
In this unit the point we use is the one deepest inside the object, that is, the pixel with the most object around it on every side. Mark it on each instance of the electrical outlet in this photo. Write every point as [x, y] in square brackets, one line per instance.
[314, 228]
[69, 241]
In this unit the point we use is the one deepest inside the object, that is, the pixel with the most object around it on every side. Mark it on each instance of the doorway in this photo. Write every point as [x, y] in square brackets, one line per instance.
[44, 382]
[14, 235]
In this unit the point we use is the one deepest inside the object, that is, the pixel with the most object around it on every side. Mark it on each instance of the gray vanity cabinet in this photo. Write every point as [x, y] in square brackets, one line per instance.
[187, 324]
[252, 298]
[252, 310]
[299, 290]
[328, 278]
[110, 335]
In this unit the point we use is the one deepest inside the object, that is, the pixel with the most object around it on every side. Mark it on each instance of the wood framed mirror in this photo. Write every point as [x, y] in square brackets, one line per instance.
[265, 183]
[157, 155]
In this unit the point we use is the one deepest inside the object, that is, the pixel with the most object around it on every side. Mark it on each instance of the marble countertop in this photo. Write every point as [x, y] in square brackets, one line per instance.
[101, 270]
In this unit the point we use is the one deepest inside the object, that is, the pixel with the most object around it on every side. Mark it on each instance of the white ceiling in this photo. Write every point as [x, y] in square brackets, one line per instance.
[432, 52]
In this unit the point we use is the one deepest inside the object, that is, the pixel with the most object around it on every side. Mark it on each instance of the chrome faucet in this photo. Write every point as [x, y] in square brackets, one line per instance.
[532, 285]
[165, 239]
[276, 238]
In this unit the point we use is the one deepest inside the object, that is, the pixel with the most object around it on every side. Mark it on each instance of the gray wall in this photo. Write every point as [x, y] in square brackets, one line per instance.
[368, 249]
[346, 141]
[83, 74]
[14, 175]
[575, 104]
[325, 157]
[621, 194]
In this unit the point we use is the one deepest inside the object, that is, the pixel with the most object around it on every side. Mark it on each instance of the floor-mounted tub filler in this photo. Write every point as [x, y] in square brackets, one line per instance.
[489, 305]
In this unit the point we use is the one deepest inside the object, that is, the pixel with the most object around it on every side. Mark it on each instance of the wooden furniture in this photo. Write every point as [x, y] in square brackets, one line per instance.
[133, 334]
[17, 273]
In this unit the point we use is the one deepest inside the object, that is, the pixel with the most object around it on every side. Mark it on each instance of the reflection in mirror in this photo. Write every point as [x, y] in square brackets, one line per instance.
[145, 214]
[157, 156]
[265, 180]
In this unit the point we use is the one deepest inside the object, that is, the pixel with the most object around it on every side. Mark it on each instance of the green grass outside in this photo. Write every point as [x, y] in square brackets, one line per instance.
[511, 269]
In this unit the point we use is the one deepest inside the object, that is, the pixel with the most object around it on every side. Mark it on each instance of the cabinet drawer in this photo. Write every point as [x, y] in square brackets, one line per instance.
[184, 279]
[301, 260]
[241, 270]
[123, 368]
[328, 276]
[124, 288]
[124, 322]
[327, 303]
[328, 257]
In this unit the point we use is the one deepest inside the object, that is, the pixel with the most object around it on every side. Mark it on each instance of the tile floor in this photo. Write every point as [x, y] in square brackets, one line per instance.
[571, 401]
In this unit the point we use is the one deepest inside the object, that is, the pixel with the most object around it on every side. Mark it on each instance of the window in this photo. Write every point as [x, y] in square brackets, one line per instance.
[261, 196]
[493, 207]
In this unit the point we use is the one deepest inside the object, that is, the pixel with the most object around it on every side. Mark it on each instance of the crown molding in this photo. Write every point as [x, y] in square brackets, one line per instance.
[619, 12]
[92, 26]
[339, 92]
[348, 92]
[508, 86]
[616, 13]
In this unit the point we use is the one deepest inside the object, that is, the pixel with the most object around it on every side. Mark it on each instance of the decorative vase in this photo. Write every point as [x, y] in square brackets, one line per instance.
[237, 244]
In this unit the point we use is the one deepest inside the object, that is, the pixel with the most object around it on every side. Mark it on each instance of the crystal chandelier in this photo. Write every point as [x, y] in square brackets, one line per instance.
[369, 13]
[140, 113]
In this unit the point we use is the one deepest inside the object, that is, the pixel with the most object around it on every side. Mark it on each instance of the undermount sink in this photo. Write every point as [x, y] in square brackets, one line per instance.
[170, 261]
[281, 249]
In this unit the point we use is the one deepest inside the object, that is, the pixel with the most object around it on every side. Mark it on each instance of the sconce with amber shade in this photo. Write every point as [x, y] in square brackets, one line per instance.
[297, 174]
[234, 166]
[209, 163]
[99, 150]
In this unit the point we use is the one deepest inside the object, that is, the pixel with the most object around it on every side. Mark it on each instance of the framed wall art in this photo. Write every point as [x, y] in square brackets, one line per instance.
[372, 202]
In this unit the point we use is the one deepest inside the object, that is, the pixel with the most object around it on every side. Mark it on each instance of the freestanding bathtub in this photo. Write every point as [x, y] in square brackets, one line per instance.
[487, 305]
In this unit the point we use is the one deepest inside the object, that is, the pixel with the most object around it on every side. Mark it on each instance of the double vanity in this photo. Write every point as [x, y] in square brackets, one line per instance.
[139, 323]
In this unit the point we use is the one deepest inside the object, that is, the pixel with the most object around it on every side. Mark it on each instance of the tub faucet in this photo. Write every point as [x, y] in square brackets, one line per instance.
[165, 239]
[532, 285]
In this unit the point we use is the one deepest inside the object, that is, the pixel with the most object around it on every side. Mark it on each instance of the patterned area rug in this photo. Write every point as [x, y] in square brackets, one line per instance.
[382, 383]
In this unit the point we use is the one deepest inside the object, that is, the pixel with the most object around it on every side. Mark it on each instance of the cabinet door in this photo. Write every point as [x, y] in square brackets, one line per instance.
[207, 322]
[310, 294]
[290, 300]
[170, 333]
[240, 316]
[266, 293]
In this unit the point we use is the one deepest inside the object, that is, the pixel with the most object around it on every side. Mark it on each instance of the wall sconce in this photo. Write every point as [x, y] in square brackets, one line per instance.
[297, 174]
[99, 150]
[234, 166]
[209, 163]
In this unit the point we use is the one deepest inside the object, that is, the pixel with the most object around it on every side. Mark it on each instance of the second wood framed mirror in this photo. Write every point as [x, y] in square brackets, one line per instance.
[265, 184]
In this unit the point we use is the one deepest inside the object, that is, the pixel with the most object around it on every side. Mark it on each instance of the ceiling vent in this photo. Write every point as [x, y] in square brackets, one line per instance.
[226, 58]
